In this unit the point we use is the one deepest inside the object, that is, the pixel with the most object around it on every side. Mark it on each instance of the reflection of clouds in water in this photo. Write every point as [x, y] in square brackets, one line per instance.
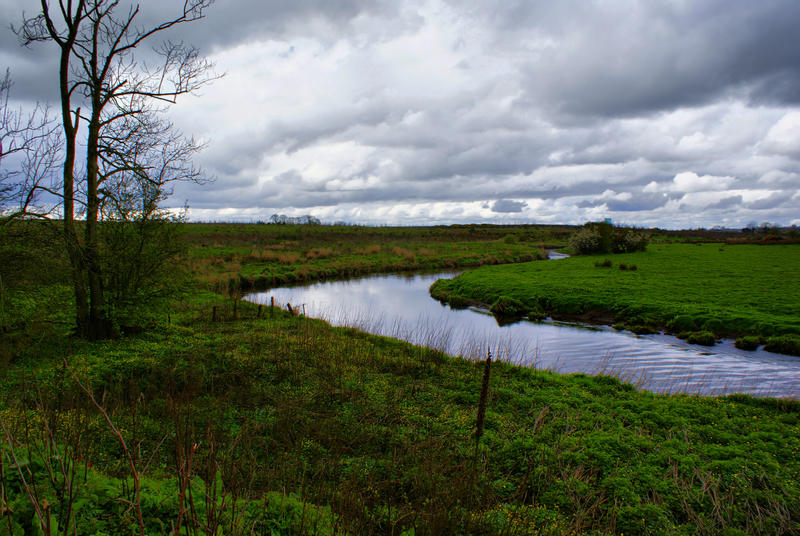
[401, 307]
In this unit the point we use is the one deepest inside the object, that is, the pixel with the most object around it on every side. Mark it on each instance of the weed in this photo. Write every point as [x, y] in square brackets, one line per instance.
[704, 338]
[749, 342]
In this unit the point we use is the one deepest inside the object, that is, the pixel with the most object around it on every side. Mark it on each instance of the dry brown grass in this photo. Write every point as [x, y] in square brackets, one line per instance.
[319, 253]
[407, 254]
[269, 255]
[369, 250]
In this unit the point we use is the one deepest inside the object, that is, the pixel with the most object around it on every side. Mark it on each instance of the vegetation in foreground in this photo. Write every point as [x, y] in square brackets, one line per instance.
[266, 423]
[702, 291]
[285, 425]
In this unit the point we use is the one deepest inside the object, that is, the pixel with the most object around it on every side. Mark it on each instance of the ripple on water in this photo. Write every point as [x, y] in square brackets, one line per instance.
[400, 307]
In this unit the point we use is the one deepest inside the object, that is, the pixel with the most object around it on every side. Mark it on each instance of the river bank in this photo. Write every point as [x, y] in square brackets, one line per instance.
[374, 435]
[400, 306]
[224, 416]
[702, 291]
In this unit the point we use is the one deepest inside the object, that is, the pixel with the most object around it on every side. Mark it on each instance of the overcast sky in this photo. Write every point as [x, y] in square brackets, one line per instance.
[675, 113]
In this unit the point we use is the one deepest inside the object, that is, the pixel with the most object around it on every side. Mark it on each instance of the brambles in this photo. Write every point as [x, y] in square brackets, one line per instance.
[586, 241]
[602, 237]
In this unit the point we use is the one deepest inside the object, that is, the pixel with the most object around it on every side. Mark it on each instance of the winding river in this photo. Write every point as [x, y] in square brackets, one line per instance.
[399, 306]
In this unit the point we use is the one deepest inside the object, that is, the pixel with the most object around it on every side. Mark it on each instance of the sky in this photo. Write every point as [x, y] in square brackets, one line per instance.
[669, 113]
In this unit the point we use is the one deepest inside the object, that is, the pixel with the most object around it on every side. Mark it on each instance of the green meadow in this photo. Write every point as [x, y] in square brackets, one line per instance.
[726, 290]
[258, 421]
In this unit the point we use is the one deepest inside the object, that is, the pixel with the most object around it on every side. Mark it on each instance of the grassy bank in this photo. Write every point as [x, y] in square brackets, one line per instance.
[725, 290]
[287, 424]
[232, 256]
[266, 423]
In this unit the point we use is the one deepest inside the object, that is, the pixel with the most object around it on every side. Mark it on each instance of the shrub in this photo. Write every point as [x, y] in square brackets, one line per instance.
[536, 315]
[748, 342]
[629, 240]
[681, 323]
[586, 241]
[506, 307]
[602, 237]
[786, 344]
[605, 264]
[715, 326]
[704, 338]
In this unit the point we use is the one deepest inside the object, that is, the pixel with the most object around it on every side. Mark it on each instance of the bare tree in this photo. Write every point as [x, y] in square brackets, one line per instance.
[130, 154]
[29, 153]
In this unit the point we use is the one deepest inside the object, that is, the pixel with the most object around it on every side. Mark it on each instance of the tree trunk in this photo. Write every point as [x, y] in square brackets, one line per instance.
[75, 255]
[99, 325]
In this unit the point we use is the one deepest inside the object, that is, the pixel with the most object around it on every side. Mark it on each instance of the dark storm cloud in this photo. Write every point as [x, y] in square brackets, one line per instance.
[726, 203]
[563, 110]
[508, 205]
[626, 58]
[775, 200]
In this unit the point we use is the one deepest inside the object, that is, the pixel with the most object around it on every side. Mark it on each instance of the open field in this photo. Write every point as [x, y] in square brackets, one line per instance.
[261, 422]
[260, 256]
[728, 290]
[374, 436]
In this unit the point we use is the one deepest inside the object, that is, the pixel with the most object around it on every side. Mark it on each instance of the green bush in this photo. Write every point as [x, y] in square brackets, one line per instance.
[749, 342]
[602, 237]
[786, 344]
[586, 241]
[704, 338]
[629, 240]
[536, 315]
[506, 307]
[681, 323]
[715, 326]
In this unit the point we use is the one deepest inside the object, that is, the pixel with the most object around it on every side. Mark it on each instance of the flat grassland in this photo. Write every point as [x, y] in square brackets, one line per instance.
[263, 256]
[284, 423]
[730, 290]
[262, 422]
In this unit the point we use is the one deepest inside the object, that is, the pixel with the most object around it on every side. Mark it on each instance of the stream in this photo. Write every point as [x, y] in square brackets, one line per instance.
[399, 306]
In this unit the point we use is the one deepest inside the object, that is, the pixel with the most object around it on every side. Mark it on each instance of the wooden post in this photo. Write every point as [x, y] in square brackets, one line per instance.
[214, 313]
[235, 306]
[259, 311]
[289, 306]
[271, 305]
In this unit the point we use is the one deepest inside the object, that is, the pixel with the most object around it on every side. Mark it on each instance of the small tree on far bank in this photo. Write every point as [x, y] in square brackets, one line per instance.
[109, 202]
[603, 237]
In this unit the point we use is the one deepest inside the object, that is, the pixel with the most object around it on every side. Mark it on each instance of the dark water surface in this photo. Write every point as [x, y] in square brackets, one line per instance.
[399, 306]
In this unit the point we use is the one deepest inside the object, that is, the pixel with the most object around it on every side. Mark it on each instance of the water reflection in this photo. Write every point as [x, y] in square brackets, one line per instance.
[400, 307]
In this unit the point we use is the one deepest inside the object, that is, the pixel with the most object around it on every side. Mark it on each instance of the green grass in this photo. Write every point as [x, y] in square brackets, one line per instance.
[375, 436]
[296, 427]
[231, 257]
[727, 290]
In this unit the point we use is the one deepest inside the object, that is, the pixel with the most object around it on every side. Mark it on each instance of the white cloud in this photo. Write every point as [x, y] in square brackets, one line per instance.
[434, 110]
